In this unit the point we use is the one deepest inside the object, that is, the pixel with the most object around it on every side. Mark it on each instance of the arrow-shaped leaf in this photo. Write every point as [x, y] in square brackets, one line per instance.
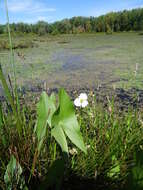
[12, 177]
[45, 110]
[65, 121]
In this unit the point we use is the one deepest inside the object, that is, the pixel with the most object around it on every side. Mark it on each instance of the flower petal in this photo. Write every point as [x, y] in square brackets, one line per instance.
[84, 104]
[77, 102]
[83, 96]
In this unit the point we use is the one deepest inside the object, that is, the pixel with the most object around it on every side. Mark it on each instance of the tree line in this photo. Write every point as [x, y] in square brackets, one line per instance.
[127, 20]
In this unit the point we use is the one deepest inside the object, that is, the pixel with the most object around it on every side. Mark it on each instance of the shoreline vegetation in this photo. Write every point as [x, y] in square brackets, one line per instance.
[127, 20]
[88, 138]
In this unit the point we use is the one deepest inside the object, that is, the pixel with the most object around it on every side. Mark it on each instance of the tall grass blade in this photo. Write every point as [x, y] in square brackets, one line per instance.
[10, 43]
[12, 59]
[6, 90]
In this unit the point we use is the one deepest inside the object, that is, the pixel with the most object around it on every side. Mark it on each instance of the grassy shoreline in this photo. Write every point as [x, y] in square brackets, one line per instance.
[33, 147]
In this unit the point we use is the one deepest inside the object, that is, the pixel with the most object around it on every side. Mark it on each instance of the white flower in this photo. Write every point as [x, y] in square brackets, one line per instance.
[73, 151]
[88, 146]
[81, 101]
[83, 96]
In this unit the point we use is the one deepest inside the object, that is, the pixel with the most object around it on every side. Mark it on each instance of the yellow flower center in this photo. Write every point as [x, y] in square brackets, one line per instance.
[81, 101]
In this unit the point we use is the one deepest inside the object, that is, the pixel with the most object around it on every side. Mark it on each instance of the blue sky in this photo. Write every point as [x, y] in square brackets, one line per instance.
[31, 11]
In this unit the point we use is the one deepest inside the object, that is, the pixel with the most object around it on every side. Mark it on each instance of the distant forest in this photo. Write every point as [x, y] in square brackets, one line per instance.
[131, 20]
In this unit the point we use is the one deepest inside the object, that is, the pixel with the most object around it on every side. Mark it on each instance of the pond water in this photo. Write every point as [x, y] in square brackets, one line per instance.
[81, 61]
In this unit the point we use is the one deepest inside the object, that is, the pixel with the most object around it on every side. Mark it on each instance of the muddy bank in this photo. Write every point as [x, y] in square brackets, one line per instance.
[122, 98]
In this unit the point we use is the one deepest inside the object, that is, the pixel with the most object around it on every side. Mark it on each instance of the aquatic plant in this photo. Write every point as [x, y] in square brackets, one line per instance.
[81, 101]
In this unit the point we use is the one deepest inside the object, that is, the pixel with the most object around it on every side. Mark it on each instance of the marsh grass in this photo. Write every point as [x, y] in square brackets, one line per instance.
[4, 45]
[17, 139]
[108, 134]
[113, 138]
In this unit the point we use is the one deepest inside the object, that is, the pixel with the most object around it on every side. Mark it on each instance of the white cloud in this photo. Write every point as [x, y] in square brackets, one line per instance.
[40, 10]
[45, 18]
[29, 6]
[32, 20]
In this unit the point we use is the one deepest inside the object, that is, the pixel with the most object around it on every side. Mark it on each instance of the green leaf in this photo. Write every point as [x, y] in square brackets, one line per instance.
[115, 170]
[58, 133]
[7, 90]
[65, 121]
[12, 174]
[2, 133]
[45, 110]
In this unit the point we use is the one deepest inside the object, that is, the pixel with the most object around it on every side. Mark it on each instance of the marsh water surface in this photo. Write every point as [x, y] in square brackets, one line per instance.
[79, 60]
